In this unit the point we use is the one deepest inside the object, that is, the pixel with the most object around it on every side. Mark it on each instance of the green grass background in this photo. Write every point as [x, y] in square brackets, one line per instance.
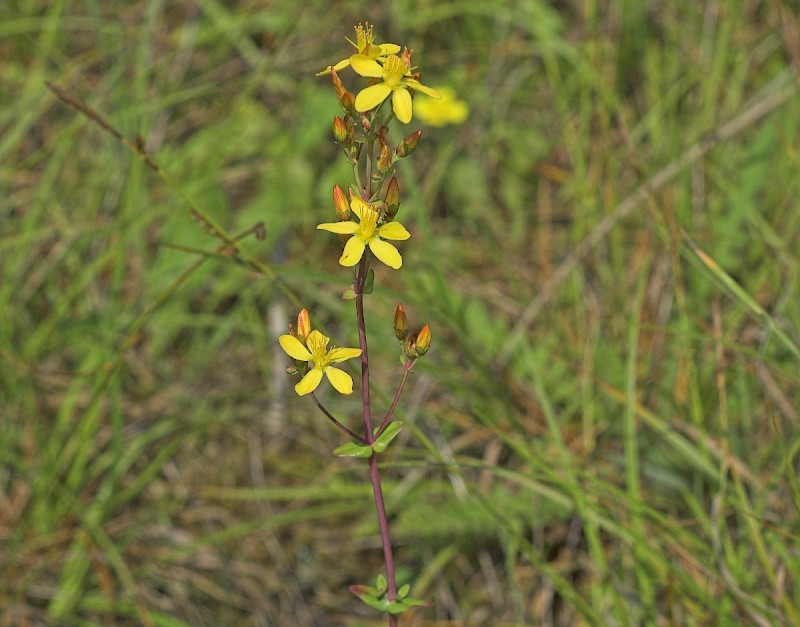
[605, 429]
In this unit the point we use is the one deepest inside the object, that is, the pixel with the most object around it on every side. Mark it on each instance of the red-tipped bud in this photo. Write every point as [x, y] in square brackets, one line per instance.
[341, 204]
[392, 198]
[347, 99]
[340, 130]
[407, 146]
[365, 123]
[400, 323]
[338, 86]
[303, 325]
[411, 347]
[423, 340]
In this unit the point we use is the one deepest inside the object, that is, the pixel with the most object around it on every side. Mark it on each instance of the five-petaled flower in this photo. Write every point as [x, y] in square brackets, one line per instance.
[449, 110]
[397, 79]
[366, 49]
[365, 233]
[319, 357]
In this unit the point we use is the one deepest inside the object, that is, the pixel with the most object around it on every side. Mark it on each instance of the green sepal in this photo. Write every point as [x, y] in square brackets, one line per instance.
[349, 294]
[389, 434]
[369, 283]
[404, 590]
[353, 449]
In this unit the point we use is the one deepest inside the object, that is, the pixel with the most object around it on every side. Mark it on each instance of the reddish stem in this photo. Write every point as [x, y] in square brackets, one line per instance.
[336, 422]
[373, 461]
[406, 370]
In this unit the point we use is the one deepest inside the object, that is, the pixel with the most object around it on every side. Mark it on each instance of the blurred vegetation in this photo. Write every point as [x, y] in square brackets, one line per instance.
[605, 430]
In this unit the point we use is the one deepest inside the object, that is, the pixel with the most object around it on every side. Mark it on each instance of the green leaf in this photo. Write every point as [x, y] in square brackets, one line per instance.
[376, 600]
[348, 294]
[369, 284]
[404, 590]
[398, 606]
[353, 449]
[389, 434]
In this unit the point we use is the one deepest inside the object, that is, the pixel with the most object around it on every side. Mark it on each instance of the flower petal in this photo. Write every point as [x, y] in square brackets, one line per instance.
[393, 230]
[340, 380]
[358, 206]
[339, 66]
[417, 86]
[401, 104]
[386, 253]
[372, 96]
[346, 228]
[365, 66]
[309, 382]
[389, 49]
[353, 251]
[294, 348]
[336, 355]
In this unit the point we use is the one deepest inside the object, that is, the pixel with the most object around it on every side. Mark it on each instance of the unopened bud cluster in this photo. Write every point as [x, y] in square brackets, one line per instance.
[414, 345]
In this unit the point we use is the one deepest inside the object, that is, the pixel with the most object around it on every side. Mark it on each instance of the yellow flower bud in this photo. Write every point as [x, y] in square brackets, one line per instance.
[303, 324]
[339, 130]
[423, 340]
[341, 204]
[400, 323]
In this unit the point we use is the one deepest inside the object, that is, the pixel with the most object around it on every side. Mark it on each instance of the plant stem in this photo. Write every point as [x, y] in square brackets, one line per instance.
[336, 422]
[373, 460]
[406, 370]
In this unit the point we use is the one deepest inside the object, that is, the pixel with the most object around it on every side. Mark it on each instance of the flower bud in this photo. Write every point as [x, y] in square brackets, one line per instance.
[385, 159]
[338, 86]
[392, 198]
[340, 130]
[303, 325]
[400, 323]
[411, 347]
[341, 204]
[347, 99]
[407, 146]
[423, 340]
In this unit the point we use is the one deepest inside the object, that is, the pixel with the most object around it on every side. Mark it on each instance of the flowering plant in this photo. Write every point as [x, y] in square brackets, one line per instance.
[366, 225]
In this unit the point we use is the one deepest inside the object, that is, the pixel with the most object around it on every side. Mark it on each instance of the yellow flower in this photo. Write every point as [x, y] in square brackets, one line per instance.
[366, 49]
[396, 77]
[367, 233]
[320, 357]
[448, 110]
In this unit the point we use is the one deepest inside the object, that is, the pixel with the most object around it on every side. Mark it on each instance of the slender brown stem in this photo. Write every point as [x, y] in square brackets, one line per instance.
[406, 370]
[362, 342]
[384, 525]
[373, 461]
[330, 417]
